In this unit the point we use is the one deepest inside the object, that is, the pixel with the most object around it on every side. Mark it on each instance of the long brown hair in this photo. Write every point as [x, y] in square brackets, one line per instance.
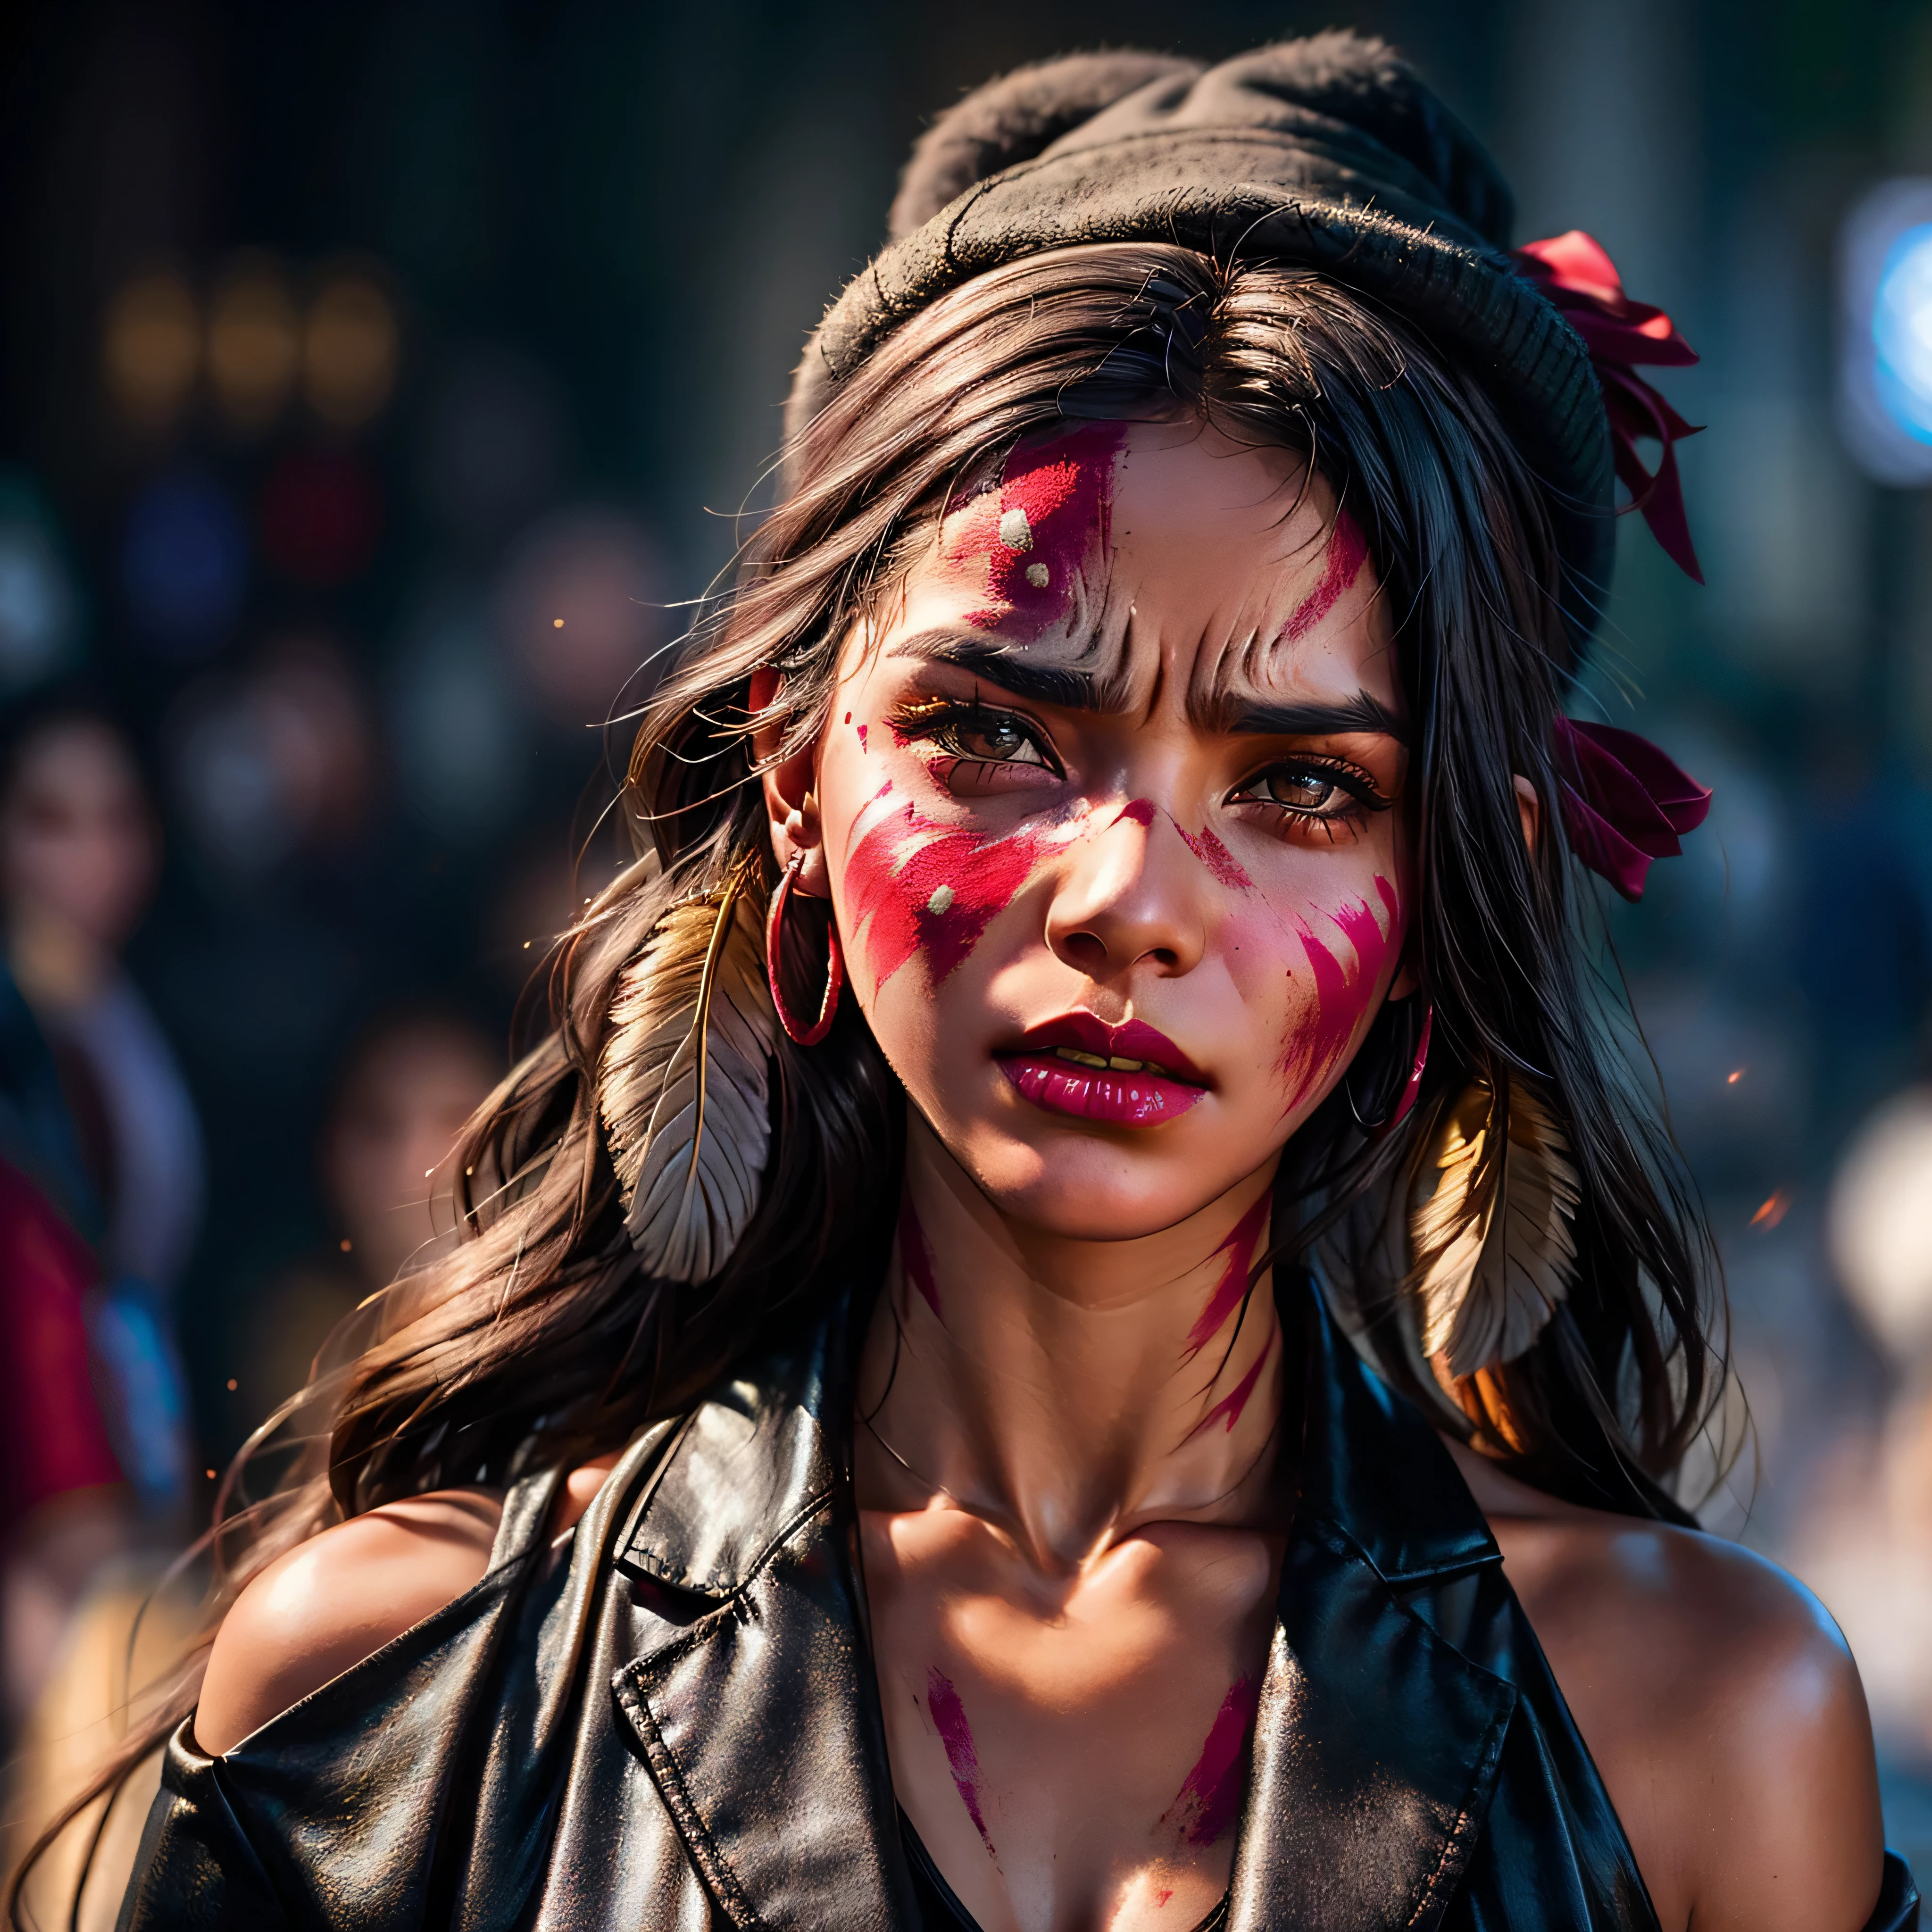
[539, 1338]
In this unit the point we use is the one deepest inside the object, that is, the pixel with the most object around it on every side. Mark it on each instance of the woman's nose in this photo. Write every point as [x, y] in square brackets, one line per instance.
[1126, 898]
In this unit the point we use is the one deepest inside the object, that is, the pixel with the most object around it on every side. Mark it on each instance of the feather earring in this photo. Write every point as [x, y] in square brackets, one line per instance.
[685, 1080]
[1494, 1247]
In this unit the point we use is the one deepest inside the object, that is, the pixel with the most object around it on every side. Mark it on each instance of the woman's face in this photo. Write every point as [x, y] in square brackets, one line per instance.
[1109, 807]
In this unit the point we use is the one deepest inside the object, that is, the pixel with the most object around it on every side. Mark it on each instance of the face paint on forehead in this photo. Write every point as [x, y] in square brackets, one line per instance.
[1341, 565]
[1041, 538]
[1342, 987]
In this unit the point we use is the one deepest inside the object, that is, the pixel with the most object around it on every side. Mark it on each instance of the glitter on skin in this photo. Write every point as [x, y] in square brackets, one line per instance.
[1210, 1797]
[915, 1258]
[1239, 1247]
[949, 1719]
[1343, 564]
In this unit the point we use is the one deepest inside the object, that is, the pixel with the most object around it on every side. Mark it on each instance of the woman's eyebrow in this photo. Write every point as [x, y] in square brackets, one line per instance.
[1310, 717]
[999, 663]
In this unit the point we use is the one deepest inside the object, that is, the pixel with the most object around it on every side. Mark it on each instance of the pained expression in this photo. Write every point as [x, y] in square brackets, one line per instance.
[1114, 778]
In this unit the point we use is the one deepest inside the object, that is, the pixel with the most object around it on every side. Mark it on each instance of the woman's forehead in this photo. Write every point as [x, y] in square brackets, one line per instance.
[1114, 555]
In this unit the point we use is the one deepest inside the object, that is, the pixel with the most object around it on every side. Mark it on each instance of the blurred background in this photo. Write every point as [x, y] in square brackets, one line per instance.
[376, 379]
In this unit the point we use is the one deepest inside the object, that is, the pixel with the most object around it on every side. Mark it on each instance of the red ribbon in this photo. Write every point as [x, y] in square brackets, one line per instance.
[1574, 273]
[1624, 803]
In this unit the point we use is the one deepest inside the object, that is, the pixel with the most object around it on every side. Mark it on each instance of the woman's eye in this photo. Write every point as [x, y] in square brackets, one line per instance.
[1312, 793]
[998, 740]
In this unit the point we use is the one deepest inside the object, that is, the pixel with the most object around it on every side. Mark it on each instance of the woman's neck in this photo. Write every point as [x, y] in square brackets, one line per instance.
[1070, 1390]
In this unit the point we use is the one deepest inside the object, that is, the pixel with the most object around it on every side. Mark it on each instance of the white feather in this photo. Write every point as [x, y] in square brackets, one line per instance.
[684, 1084]
[1487, 1291]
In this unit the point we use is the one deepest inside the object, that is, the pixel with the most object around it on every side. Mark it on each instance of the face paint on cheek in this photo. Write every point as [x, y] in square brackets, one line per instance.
[1229, 1291]
[915, 886]
[1225, 867]
[1341, 565]
[1342, 991]
[1210, 1797]
[1032, 540]
[962, 1759]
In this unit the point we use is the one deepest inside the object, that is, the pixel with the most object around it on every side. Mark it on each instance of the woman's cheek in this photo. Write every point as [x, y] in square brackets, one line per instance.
[1339, 961]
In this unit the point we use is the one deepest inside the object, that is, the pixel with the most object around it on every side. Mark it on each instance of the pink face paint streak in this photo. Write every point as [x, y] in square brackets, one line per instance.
[1342, 564]
[861, 731]
[1342, 991]
[915, 1258]
[1210, 1797]
[1239, 1247]
[949, 1719]
[915, 886]
[1228, 1409]
[1140, 811]
[1046, 524]
[1216, 857]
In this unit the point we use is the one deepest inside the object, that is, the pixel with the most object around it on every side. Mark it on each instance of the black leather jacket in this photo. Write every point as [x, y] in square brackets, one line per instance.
[676, 1725]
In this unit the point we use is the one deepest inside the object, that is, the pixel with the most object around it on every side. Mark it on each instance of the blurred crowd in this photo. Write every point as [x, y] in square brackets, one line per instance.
[367, 390]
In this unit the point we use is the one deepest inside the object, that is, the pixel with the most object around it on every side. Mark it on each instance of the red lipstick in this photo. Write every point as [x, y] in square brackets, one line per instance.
[1130, 1075]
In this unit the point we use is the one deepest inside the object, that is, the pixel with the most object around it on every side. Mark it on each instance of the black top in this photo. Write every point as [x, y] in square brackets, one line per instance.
[677, 1728]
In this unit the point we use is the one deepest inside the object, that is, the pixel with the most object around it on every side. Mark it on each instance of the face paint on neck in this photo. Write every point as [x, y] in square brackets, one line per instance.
[916, 1258]
[1033, 542]
[1228, 1410]
[1210, 1797]
[962, 1759]
[1229, 1291]
[1343, 988]
[914, 885]
[1342, 564]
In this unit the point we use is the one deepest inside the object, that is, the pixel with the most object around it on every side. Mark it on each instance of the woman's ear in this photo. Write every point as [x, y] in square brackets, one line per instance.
[1529, 809]
[791, 800]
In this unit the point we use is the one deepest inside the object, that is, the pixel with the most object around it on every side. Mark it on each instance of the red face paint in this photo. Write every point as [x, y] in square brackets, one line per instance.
[1239, 1247]
[915, 886]
[915, 1257]
[1342, 564]
[1041, 531]
[1210, 1797]
[1342, 989]
[949, 1719]
[1140, 811]
[1216, 857]
[1228, 1410]
[862, 737]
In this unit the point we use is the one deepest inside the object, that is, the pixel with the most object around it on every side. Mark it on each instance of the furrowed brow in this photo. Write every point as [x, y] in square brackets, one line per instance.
[998, 663]
[1309, 719]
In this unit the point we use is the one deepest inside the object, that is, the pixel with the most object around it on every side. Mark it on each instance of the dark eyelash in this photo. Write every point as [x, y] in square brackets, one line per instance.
[1355, 782]
[927, 717]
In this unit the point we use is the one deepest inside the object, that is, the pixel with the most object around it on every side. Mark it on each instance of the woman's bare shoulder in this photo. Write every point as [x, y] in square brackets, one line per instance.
[325, 1605]
[1721, 1706]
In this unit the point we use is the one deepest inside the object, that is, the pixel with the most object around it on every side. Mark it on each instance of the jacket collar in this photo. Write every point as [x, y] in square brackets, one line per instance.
[1377, 1742]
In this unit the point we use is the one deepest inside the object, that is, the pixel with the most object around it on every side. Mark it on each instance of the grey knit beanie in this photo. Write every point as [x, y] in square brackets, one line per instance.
[1327, 153]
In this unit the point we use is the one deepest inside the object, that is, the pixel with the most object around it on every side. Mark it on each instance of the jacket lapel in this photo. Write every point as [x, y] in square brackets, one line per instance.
[758, 1714]
[1377, 1743]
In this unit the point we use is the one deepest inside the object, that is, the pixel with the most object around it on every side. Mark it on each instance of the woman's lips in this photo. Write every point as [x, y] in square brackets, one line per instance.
[1128, 1075]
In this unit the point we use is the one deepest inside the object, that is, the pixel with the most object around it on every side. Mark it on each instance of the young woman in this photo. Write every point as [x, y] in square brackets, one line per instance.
[1076, 1327]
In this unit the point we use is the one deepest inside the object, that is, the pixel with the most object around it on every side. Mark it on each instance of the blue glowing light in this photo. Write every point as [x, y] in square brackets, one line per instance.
[1901, 327]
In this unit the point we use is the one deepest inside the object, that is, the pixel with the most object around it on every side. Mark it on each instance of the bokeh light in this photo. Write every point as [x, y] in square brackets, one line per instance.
[349, 351]
[40, 608]
[254, 343]
[151, 348]
[184, 563]
[1902, 332]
